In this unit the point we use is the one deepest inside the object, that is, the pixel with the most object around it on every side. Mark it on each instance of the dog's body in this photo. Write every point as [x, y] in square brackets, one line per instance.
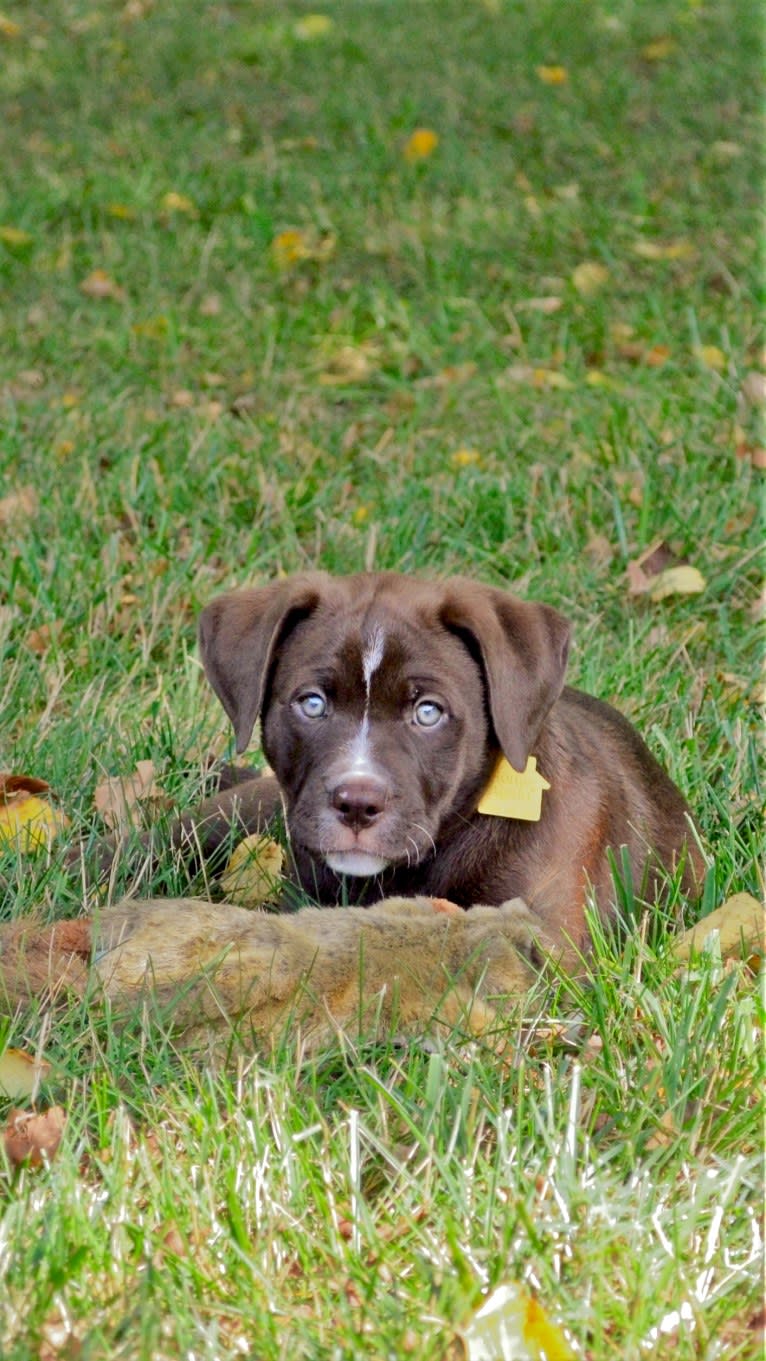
[386, 704]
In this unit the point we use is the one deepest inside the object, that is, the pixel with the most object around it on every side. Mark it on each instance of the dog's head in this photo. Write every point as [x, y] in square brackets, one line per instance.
[384, 701]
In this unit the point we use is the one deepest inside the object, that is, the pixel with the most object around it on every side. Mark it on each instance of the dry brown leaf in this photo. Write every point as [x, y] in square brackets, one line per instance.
[18, 505]
[647, 567]
[449, 376]
[21, 1073]
[99, 284]
[118, 798]
[546, 305]
[33, 1138]
[531, 376]
[753, 390]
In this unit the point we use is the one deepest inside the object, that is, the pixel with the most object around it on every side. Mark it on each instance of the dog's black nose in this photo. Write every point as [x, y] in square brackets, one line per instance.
[359, 800]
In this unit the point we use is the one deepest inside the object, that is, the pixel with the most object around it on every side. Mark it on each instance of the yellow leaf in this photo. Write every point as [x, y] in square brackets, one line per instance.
[589, 277]
[658, 49]
[596, 378]
[21, 1073]
[350, 364]
[154, 328]
[552, 75]
[421, 144]
[123, 211]
[289, 247]
[511, 1323]
[683, 580]
[740, 921]
[8, 27]
[711, 357]
[670, 250]
[313, 26]
[254, 872]
[15, 236]
[178, 203]
[29, 823]
[465, 458]
[360, 515]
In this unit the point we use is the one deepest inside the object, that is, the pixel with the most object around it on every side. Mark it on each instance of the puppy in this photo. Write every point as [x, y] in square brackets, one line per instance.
[423, 742]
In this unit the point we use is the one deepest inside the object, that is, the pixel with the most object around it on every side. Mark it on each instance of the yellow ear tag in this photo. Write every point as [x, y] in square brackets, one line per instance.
[514, 794]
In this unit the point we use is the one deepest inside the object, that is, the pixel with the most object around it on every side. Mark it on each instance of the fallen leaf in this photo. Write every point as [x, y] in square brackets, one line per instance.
[9, 28]
[599, 550]
[182, 397]
[711, 357]
[547, 305]
[658, 49]
[211, 305]
[178, 203]
[465, 458]
[753, 390]
[289, 247]
[645, 569]
[27, 821]
[15, 236]
[33, 1138]
[596, 378]
[725, 151]
[313, 26]
[254, 871]
[512, 1326]
[421, 144]
[537, 377]
[552, 75]
[154, 328]
[670, 250]
[122, 211]
[99, 284]
[683, 580]
[589, 277]
[449, 376]
[21, 1073]
[21, 504]
[740, 924]
[119, 797]
[349, 364]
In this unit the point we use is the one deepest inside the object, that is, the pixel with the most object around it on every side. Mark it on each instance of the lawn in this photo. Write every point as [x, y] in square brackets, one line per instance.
[252, 325]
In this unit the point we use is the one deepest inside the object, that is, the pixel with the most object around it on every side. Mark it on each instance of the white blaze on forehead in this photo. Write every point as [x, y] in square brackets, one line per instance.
[360, 758]
[372, 656]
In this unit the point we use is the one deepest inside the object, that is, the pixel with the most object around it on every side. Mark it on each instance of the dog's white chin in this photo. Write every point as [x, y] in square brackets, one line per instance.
[360, 864]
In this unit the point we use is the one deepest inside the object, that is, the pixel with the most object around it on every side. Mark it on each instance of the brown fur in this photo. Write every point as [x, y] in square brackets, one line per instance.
[403, 963]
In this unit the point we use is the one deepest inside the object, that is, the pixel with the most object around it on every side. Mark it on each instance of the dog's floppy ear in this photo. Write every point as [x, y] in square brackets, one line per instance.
[238, 637]
[523, 649]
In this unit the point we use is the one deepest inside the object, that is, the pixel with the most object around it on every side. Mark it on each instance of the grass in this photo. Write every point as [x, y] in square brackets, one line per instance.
[398, 397]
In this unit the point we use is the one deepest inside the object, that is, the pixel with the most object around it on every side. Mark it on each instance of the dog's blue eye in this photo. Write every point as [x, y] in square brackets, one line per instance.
[428, 713]
[313, 706]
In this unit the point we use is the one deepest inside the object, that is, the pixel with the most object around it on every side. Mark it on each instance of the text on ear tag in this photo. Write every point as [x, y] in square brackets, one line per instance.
[514, 794]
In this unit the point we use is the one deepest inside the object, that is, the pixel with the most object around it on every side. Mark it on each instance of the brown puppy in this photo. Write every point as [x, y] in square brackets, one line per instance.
[387, 704]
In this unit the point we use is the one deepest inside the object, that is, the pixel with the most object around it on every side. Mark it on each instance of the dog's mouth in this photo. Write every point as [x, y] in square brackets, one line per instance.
[357, 864]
